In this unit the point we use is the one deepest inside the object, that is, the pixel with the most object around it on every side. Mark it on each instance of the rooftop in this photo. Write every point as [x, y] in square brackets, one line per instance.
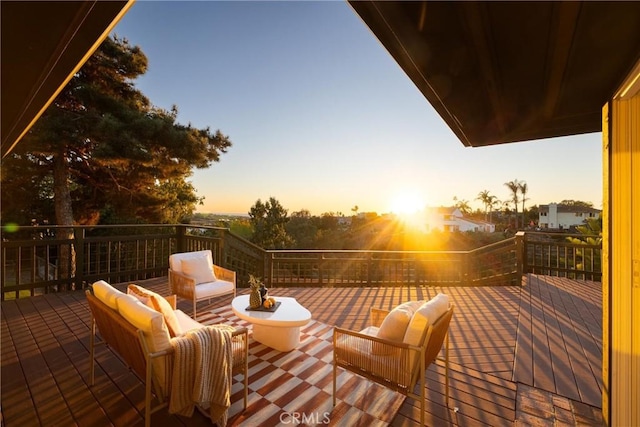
[529, 355]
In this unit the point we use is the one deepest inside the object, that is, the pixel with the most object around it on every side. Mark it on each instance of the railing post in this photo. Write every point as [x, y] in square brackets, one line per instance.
[78, 237]
[181, 231]
[521, 257]
[466, 261]
[222, 248]
[269, 265]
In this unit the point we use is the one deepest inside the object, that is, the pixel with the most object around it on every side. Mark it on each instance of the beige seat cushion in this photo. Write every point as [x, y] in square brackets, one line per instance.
[212, 289]
[186, 322]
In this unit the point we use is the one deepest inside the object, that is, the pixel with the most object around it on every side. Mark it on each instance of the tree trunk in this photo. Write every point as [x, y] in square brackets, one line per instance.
[64, 216]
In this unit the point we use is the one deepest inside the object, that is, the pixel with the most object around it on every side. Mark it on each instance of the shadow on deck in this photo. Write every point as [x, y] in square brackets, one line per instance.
[526, 355]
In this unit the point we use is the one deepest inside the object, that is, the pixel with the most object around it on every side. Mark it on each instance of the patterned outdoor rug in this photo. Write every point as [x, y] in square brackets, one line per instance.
[295, 388]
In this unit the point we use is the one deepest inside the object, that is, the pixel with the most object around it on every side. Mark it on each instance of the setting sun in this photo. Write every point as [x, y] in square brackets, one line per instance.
[407, 203]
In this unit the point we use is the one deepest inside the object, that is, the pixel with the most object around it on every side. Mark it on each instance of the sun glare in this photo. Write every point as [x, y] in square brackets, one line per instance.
[407, 203]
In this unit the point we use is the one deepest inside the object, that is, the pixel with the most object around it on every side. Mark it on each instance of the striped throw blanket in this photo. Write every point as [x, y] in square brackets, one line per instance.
[202, 371]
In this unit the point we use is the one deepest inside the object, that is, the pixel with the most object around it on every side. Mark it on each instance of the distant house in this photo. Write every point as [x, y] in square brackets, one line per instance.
[344, 221]
[555, 216]
[451, 219]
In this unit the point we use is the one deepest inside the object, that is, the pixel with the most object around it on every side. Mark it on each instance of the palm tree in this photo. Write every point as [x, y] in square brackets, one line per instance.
[492, 203]
[489, 201]
[514, 187]
[523, 190]
[462, 204]
[485, 198]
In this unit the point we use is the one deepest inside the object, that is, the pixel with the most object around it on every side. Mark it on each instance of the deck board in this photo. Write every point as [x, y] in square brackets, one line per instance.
[545, 334]
[562, 340]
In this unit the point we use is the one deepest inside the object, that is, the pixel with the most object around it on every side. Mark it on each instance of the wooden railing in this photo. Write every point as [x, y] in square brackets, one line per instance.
[494, 264]
[34, 260]
[576, 256]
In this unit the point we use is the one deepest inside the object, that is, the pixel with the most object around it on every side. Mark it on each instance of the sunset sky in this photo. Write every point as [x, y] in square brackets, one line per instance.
[322, 118]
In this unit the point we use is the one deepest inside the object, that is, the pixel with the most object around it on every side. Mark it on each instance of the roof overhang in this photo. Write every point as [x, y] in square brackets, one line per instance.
[500, 72]
[43, 45]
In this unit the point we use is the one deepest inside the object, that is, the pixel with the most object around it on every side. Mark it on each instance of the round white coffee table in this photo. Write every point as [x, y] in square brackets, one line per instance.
[280, 329]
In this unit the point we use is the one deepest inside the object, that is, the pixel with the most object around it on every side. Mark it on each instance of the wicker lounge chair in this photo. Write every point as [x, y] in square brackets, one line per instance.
[396, 365]
[194, 276]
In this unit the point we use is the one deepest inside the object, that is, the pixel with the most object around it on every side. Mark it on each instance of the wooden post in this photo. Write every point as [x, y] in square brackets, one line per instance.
[181, 231]
[521, 256]
[79, 235]
[269, 259]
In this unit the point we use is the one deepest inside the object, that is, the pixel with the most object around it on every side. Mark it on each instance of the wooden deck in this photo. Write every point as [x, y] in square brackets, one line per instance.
[527, 355]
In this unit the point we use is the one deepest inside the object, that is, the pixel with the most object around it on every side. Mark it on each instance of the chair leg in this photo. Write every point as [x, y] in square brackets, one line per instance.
[195, 317]
[246, 370]
[334, 382]
[423, 405]
[147, 396]
[446, 366]
[92, 352]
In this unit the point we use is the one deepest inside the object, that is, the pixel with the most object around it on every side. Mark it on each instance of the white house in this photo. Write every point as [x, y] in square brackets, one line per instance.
[557, 216]
[451, 219]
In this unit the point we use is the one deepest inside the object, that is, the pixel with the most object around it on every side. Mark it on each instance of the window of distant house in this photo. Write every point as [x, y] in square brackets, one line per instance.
[543, 214]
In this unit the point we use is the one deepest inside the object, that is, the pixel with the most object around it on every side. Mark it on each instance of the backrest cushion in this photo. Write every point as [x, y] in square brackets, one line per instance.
[425, 316]
[107, 293]
[394, 326]
[159, 304]
[200, 269]
[150, 321]
[154, 328]
[175, 260]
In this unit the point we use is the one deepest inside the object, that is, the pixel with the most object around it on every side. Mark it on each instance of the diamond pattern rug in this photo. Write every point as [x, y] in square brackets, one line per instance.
[295, 388]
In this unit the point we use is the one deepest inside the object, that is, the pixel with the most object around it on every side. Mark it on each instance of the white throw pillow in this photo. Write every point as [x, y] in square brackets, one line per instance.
[107, 293]
[199, 269]
[425, 316]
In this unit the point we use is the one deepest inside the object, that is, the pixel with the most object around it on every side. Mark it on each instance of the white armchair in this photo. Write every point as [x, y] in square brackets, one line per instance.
[193, 276]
